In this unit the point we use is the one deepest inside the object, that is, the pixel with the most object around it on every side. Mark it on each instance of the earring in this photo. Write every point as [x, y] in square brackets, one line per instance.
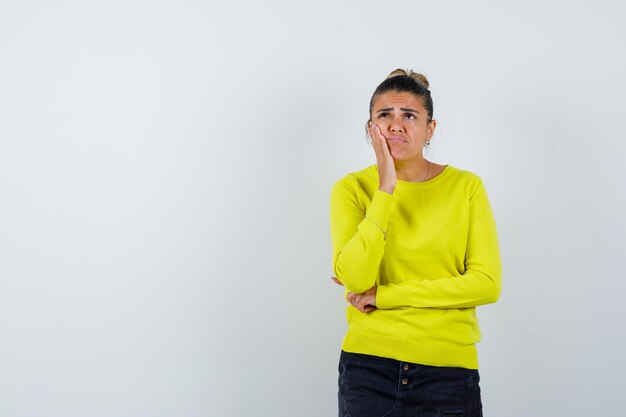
[428, 142]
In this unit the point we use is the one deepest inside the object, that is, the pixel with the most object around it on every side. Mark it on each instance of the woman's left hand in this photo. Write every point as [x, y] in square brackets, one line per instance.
[364, 302]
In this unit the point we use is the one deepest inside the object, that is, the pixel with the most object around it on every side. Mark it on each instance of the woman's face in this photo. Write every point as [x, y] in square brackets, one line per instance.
[403, 121]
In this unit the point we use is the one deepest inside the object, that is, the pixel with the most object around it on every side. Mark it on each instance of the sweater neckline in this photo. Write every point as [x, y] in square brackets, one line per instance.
[430, 181]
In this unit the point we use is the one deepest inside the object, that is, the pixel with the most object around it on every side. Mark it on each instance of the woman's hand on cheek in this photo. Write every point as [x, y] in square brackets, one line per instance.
[386, 168]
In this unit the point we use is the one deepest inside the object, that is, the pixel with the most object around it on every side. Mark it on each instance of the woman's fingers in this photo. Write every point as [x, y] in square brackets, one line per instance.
[384, 149]
[384, 160]
[361, 302]
[336, 281]
[352, 298]
[378, 143]
[364, 308]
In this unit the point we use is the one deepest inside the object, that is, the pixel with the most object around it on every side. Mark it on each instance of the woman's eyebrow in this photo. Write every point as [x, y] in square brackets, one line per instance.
[401, 108]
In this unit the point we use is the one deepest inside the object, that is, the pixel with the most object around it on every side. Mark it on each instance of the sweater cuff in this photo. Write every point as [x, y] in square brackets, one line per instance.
[378, 211]
[384, 298]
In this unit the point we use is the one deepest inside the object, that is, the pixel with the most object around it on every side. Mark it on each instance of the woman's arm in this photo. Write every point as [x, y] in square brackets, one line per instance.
[479, 284]
[358, 237]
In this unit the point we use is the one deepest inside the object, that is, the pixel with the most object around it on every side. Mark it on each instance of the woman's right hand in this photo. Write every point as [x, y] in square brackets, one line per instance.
[387, 179]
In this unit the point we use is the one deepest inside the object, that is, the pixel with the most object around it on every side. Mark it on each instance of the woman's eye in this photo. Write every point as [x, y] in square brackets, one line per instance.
[383, 114]
[409, 116]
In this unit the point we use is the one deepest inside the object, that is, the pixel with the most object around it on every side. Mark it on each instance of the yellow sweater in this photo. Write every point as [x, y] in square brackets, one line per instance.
[432, 251]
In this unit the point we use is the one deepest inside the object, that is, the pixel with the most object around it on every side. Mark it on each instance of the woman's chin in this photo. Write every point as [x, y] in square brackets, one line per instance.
[399, 156]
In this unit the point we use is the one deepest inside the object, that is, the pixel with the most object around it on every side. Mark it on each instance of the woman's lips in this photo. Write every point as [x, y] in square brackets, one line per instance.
[396, 139]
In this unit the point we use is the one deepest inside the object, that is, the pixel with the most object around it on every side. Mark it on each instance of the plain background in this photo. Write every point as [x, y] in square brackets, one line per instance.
[165, 169]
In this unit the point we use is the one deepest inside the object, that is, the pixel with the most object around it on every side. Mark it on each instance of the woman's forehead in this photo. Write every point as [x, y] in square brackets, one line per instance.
[397, 99]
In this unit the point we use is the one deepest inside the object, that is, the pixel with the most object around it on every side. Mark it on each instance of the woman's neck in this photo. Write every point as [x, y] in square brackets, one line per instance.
[414, 171]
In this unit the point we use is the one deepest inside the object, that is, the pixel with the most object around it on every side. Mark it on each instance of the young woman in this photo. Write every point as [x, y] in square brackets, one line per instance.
[415, 245]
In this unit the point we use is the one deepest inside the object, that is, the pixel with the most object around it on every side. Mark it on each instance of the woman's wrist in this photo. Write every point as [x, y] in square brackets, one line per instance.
[386, 189]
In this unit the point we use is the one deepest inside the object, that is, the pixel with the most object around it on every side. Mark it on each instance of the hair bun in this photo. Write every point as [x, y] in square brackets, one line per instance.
[420, 78]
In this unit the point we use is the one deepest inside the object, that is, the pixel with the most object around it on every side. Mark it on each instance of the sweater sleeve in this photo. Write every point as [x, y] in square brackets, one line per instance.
[479, 284]
[358, 235]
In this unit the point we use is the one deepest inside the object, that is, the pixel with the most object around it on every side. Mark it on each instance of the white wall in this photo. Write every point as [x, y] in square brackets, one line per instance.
[165, 169]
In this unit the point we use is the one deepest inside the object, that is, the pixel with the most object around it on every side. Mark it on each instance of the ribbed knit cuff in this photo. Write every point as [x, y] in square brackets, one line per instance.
[384, 298]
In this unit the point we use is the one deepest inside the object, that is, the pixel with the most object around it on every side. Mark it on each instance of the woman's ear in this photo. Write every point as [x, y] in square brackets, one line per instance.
[432, 125]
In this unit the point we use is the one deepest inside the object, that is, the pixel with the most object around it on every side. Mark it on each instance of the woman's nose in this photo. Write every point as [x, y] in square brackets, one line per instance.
[395, 125]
